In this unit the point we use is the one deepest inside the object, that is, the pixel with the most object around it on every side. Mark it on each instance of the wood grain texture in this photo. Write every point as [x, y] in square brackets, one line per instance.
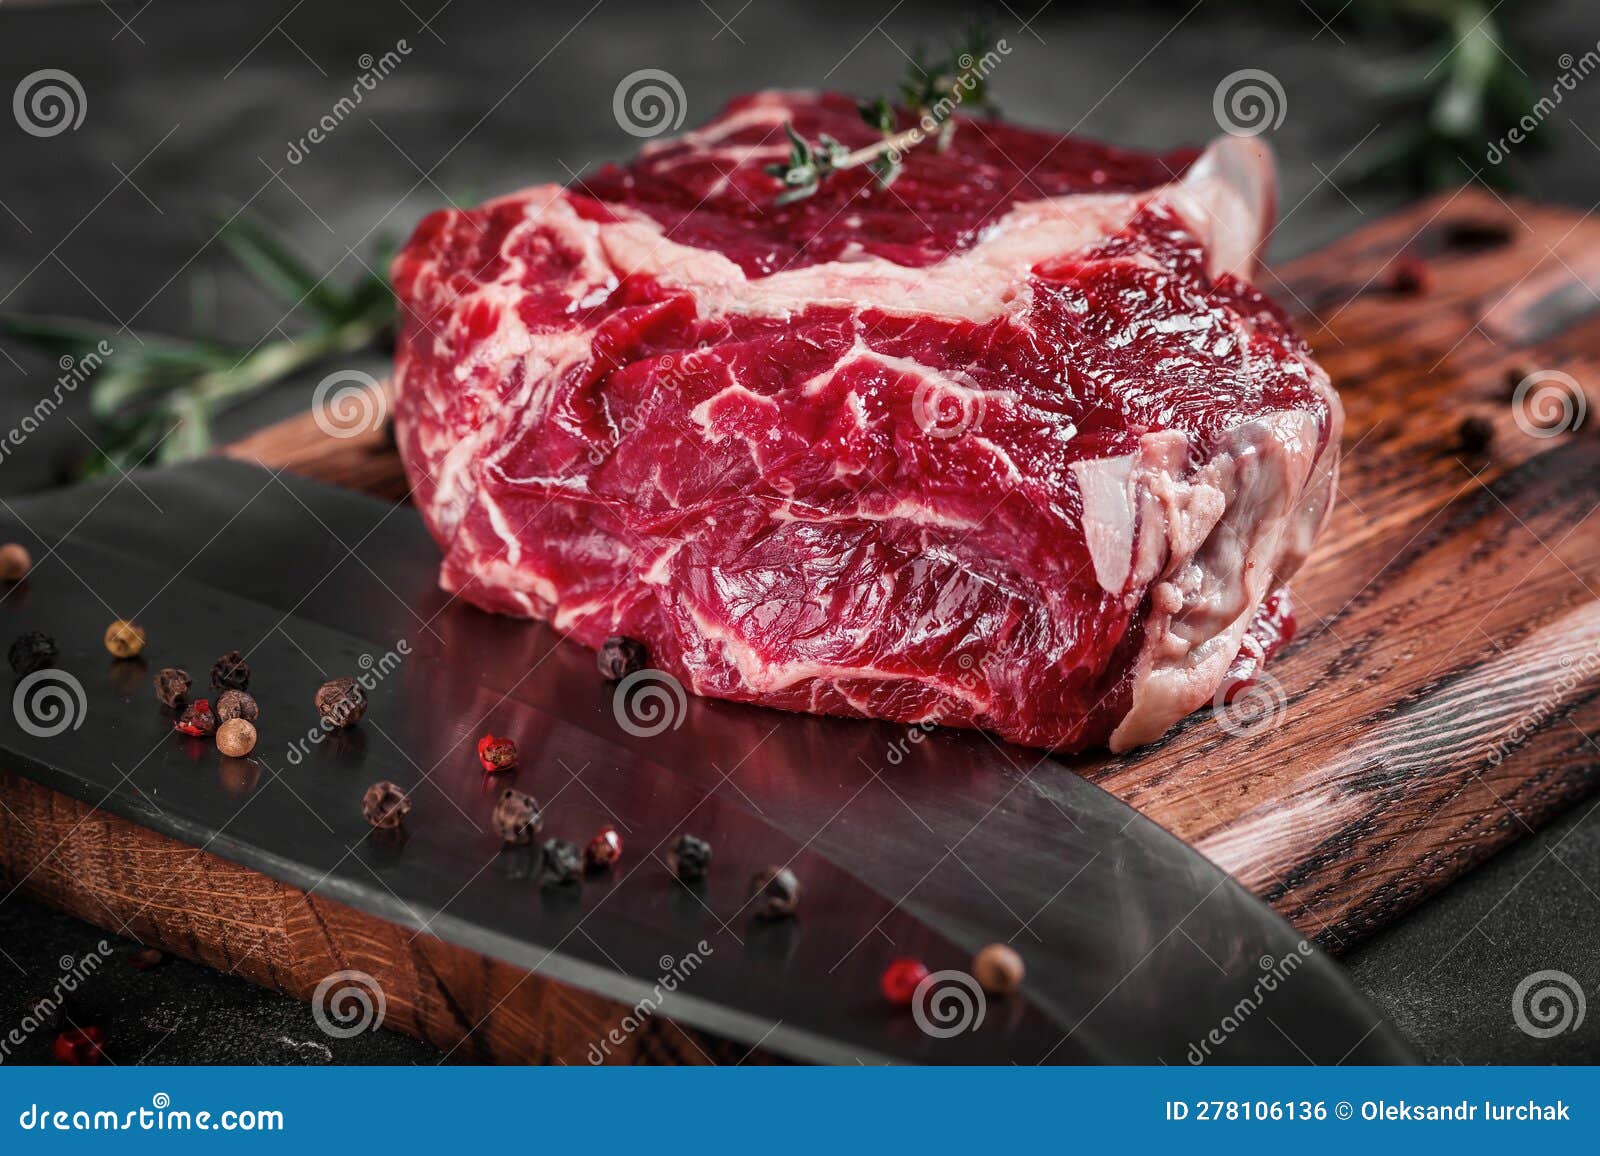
[190, 903]
[1438, 703]
[1441, 699]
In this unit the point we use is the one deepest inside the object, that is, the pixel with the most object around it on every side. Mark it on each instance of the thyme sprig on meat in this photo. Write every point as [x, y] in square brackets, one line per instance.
[931, 91]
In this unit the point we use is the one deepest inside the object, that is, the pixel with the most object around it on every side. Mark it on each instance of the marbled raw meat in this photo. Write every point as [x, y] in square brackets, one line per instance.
[1011, 444]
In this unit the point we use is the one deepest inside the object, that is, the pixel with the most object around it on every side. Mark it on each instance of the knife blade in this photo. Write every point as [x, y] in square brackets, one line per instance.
[909, 842]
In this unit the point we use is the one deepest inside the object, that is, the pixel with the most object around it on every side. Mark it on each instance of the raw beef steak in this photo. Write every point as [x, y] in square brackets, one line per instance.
[1011, 444]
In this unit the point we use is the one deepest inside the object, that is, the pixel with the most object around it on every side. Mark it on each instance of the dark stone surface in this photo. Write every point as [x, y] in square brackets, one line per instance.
[197, 104]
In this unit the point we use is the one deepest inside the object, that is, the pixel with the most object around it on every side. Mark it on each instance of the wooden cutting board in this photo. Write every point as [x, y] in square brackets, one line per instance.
[1436, 705]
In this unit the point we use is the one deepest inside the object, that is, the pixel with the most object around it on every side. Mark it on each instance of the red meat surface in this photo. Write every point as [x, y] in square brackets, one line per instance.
[1011, 444]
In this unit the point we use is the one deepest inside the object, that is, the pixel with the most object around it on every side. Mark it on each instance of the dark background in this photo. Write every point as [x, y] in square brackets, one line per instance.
[192, 104]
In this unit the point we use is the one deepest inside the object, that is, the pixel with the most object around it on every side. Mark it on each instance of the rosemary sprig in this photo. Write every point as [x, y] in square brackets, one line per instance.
[1459, 93]
[155, 401]
[931, 91]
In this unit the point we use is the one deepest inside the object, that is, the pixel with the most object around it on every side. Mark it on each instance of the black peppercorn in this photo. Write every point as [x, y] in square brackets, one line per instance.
[341, 702]
[1476, 433]
[776, 893]
[32, 651]
[561, 863]
[517, 818]
[172, 687]
[232, 704]
[619, 657]
[230, 672]
[690, 857]
[385, 805]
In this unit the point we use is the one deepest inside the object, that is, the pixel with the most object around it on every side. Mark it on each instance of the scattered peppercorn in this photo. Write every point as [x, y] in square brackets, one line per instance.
[341, 702]
[900, 980]
[15, 562]
[232, 704]
[197, 719]
[561, 863]
[236, 738]
[496, 753]
[517, 818]
[1476, 433]
[1410, 276]
[619, 657]
[690, 857]
[776, 892]
[603, 850]
[80, 1047]
[124, 639]
[172, 687]
[998, 969]
[32, 651]
[1477, 234]
[385, 805]
[230, 672]
[146, 958]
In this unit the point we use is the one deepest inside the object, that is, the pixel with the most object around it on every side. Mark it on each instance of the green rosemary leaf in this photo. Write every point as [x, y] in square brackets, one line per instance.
[192, 436]
[54, 335]
[123, 445]
[162, 392]
[277, 267]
